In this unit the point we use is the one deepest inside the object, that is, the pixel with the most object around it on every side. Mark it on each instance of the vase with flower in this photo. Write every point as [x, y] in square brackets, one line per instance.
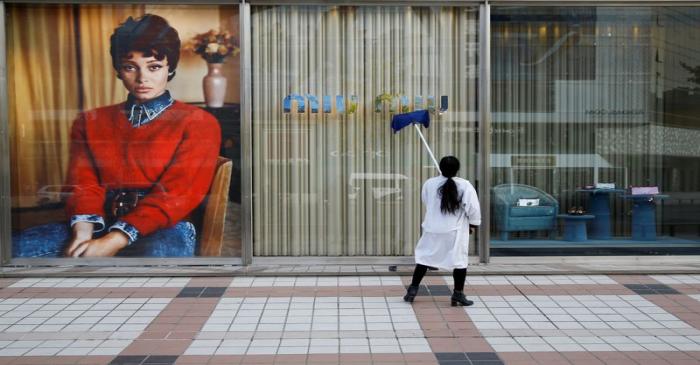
[214, 47]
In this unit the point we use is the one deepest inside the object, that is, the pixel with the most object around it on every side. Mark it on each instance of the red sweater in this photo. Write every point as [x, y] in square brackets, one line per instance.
[174, 156]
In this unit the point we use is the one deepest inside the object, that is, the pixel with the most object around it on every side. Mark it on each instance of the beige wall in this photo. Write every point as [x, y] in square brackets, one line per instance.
[189, 21]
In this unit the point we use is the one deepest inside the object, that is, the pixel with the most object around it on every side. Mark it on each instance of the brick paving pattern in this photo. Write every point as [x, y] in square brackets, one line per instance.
[516, 319]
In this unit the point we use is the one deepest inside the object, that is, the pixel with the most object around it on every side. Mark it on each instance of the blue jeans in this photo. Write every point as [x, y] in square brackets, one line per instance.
[50, 240]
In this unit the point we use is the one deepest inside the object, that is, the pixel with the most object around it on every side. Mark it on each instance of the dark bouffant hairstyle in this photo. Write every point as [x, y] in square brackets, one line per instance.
[150, 35]
[449, 196]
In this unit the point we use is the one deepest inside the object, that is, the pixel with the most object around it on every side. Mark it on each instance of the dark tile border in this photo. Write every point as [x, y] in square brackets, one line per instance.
[213, 292]
[127, 360]
[651, 289]
[450, 356]
[202, 292]
[433, 290]
[483, 356]
[468, 358]
[439, 290]
[190, 292]
[160, 360]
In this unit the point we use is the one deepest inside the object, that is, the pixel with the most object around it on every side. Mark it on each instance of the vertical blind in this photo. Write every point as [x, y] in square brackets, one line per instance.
[341, 183]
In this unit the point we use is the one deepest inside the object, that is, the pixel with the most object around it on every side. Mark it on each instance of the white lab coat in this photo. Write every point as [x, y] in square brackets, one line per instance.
[445, 240]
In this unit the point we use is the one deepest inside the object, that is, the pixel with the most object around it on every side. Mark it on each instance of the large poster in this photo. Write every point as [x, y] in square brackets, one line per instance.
[124, 130]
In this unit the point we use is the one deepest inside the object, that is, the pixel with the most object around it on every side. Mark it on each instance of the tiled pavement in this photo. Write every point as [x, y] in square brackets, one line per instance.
[516, 319]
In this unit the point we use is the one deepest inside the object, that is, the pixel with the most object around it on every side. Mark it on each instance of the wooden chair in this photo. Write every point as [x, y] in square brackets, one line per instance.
[209, 218]
[213, 210]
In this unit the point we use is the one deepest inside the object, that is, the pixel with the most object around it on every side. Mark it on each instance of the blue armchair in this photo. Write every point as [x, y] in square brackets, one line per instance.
[509, 217]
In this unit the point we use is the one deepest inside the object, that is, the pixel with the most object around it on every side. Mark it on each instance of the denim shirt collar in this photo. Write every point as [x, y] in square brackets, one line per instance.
[140, 114]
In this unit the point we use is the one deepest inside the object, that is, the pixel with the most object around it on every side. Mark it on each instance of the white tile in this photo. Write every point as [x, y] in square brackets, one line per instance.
[507, 348]
[261, 350]
[292, 350]
[43, 351]
[13, 351]
[275, 327]
[379, 326]
[205, 343]
[75, 351]
[354, 350]
[56, 343]
[386, 349]
[537, 348]
[105, 351]
[687, 346]
[559, 340]
[628, 347]
[530, 340]
[568, 347]
[659, 347]
[353, 342]
[225, 350]
[500, 341]
[297, 327]
[200, 350]
[323, 350]
[324, 342]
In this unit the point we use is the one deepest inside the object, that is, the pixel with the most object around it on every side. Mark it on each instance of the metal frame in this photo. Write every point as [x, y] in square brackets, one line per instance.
[246, 133]
[5, 181]
[484, 168]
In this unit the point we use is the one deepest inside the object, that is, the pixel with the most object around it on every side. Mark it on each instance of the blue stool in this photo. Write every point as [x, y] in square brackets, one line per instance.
[575, 227]
[599, 206]
[644, 215]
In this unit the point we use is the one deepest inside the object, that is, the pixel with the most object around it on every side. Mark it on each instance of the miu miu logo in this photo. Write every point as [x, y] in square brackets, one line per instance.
[393, 103]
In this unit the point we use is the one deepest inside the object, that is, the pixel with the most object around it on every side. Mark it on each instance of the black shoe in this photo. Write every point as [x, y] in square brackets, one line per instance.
[410, 293]
[432, 268]
[458, 298]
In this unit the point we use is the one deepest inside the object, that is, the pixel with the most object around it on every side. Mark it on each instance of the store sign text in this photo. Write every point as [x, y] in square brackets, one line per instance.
[393, 103]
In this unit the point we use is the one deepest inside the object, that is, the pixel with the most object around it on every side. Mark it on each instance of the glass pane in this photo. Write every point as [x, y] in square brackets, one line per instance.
[596, 118]
[330, 177]
[113, 151]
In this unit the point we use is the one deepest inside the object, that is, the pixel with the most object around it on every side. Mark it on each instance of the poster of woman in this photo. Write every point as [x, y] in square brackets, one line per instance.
[139, 171]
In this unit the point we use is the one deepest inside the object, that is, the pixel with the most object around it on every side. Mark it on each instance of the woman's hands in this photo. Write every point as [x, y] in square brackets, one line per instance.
[82, 244]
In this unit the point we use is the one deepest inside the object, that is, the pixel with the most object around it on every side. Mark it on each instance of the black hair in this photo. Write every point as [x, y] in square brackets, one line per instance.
[149, 34]
[449, 196]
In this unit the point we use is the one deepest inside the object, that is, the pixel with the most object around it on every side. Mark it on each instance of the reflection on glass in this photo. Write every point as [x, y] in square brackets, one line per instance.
[137, 173]
[329, 177]
[596, 110]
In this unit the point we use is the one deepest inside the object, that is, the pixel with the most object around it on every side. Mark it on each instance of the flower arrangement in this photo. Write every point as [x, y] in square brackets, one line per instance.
[214, 46]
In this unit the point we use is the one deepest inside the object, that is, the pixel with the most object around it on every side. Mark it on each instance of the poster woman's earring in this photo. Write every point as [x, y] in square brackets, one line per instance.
[171, 74]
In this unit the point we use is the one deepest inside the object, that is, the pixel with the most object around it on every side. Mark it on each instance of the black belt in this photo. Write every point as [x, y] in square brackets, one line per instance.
[119, 202]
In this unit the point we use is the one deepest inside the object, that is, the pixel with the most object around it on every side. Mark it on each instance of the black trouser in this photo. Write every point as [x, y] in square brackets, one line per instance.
[459, 275]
